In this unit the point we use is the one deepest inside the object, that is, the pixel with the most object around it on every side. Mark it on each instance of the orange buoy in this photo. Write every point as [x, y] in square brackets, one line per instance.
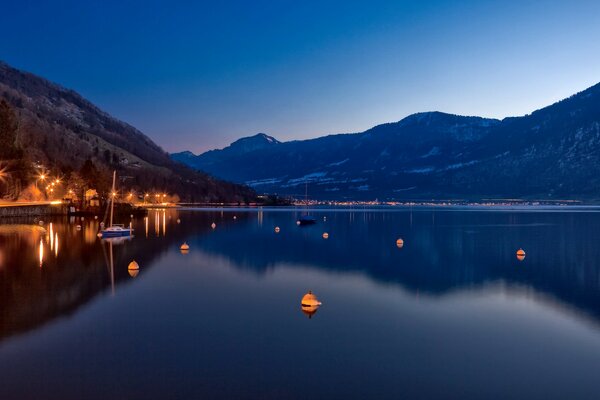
[184, 247]
[400, 243]
[277, 229]
[325, 235]
[310, 300]
[520, 254]
[213, 225]
[133, 268]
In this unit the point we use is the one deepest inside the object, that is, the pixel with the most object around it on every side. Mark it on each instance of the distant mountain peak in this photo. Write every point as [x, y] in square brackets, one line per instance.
[258, 140]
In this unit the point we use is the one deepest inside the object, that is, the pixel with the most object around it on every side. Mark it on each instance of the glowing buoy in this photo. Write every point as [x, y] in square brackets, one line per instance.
[297, 222]
[41, 222]
[520, 254]
[81, 218]
[213, 225]
[310, 300]
[133, 268]
[184, 247]
[277, 229]
[130, 215]
[178, 221]
[400, 243]
[78, 227]
[324, 218]
[102, 224]
[234, 217]
[325, 235]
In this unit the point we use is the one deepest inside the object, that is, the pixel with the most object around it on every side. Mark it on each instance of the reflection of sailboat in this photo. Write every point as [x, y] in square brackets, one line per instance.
[109, 259]
[306, 219]
[114, 230]
[109, 263]
[117, 240]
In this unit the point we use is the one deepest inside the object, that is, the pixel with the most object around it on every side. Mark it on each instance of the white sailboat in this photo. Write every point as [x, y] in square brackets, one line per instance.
[114, 230]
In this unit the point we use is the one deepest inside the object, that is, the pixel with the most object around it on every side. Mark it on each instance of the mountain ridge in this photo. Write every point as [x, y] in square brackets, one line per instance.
[55, 127]
[550, 152]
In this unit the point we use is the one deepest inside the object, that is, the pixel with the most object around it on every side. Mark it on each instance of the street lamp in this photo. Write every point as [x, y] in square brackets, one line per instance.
[41, 177]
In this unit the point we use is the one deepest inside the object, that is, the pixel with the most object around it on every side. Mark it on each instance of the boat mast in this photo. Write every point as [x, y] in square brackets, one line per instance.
[112, 198]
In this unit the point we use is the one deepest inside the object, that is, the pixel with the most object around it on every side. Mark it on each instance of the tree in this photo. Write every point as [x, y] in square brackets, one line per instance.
[8, 131]
[76, 184]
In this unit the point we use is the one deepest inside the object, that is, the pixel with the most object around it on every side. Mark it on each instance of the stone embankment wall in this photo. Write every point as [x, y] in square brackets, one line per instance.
[32, 210]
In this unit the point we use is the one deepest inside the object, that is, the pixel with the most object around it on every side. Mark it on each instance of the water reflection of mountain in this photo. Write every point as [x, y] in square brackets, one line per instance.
[443, 251]
[33, 293]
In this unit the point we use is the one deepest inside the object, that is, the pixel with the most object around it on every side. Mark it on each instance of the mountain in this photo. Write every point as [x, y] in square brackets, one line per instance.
[44, 124]
[241, 146]
[551, 153]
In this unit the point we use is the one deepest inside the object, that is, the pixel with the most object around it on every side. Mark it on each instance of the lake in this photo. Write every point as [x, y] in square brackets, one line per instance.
[451, 314]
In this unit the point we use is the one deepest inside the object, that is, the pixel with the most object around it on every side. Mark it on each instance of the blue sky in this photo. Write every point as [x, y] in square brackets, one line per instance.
[198, 75]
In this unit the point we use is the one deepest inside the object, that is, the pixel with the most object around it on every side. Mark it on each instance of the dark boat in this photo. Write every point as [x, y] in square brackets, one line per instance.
[307, 220]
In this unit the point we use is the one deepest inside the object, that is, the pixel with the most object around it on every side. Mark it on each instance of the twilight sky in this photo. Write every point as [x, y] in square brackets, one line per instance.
[198, 75]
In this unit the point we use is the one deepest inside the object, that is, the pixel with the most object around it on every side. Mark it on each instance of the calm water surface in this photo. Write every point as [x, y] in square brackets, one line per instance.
[452, 314]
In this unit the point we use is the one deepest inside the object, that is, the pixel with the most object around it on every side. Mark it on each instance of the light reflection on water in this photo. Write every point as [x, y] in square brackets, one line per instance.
[450, 313]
